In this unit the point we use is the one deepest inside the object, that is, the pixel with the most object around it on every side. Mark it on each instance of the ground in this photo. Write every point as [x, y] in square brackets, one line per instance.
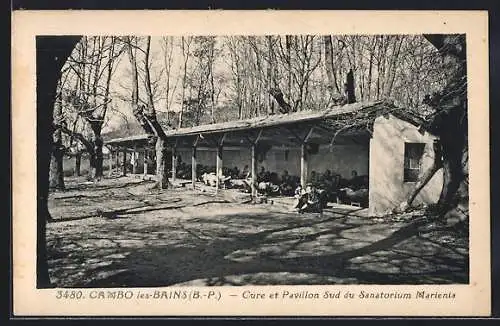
[121, 232]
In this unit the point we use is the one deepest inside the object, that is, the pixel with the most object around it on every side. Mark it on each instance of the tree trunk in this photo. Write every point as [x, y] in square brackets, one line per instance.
[78, 163]
[96, 156]
[349, 88]
[161, 164]
[56, 170]
[278, 96]
[392, 67]
[453, 175]
[450, 120]
[56, 165]
[99, 159]
[332, 84]
[51, 54]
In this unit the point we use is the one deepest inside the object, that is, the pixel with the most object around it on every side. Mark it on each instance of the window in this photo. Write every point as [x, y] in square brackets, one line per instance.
[413, 161]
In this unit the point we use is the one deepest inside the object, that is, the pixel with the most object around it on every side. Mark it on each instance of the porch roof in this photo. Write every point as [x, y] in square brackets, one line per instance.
[352, 120]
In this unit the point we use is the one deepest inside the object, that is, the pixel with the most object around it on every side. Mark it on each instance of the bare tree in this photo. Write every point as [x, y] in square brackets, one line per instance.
[56, 180]
[449, 122]
[146, 115]
[185, 46]
[89, 95]
[333, 88]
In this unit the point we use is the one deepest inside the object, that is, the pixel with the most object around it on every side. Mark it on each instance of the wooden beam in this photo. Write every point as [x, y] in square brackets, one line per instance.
[304, 158]
[196, 140]
[124, 168]
[193, 167]
[303, 164]
[309, 134]
[136, 161]
[117, 160]
[110, 160]
[254, 172]
[257, 138]
[259, 135]
[145, 165]
[174, 163]
[222, 139]
[218, 168]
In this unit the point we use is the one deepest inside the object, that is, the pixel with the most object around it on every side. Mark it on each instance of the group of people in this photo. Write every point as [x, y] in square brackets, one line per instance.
[320, 189]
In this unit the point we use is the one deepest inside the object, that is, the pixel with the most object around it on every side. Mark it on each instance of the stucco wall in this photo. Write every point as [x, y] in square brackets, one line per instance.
[387, 188]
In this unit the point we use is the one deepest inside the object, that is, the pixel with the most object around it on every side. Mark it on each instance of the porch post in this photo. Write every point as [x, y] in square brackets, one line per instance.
[254, 172]
[303, 164]
[254, 165]
[117, 160]
[304, 158]
[174, 163]
[136, 161]
[193, 167]
[110, 160]
[124, 168]
[145, 165]
[218, 168]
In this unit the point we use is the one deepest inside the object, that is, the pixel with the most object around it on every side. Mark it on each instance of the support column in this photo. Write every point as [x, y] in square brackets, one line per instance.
[304, 156]
[254, 172]
[117, 161]
[174, 163]
[110, 160]
[253, 168]
[193, 167]
[136, 160]
[303, 164]
[145, 165]
[124, 168]
[218, 168]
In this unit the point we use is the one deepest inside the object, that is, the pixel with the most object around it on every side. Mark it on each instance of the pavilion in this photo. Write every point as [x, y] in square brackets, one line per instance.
[373, 137]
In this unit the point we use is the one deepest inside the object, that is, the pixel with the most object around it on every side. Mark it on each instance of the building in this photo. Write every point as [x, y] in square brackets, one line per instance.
[378, 140]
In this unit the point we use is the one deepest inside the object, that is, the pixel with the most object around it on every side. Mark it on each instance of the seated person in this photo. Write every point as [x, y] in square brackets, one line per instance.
[331, 184]
[210, 179]
[223, 175]
[235, 173]
[274, 179]
[356, 191]
[285, 177]
[261, 175]
[356, 182]
[239, 183]
[326, 180]
[245, 174]
[286, 189]
[314, 179]
[267, 188]
[310, 201]
[348, 195]
[298, 195]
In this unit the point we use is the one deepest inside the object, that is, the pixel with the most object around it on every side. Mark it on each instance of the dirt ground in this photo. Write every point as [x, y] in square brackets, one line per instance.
[120, 232]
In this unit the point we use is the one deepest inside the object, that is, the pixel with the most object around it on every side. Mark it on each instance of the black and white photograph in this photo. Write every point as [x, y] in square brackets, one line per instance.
[253, 166]
[259, 160]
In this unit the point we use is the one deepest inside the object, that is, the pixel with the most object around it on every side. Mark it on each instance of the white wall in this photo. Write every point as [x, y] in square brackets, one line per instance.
[341, 159]
[387, 188]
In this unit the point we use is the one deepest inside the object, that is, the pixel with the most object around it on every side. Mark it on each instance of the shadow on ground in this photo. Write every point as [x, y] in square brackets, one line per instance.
[210, 241]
